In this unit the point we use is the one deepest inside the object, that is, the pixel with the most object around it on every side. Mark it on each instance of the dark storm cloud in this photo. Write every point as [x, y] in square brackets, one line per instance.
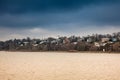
[53, 13]
[22, 6]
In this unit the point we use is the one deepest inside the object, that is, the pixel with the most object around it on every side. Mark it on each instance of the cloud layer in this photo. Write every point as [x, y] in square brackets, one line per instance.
[42, 17]
[23, 6]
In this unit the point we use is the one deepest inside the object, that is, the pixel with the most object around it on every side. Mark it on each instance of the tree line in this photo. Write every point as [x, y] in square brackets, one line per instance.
[95, 42]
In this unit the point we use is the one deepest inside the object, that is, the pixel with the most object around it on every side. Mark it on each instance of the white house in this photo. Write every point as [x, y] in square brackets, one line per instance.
[97, 44]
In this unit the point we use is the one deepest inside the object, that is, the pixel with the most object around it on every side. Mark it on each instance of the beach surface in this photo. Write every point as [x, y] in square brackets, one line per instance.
[59, 66]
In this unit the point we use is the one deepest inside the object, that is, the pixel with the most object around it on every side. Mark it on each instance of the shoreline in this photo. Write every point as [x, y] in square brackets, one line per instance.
[101, 52]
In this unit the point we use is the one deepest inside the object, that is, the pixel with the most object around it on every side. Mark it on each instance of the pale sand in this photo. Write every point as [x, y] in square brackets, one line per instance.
[59, 66]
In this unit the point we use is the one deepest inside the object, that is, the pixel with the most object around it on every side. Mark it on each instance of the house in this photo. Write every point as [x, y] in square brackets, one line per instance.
[25, 43]
[34, 42]
[89, 40]
[97, 44]
[21, 45]
[43, 42]
[79, 40]
[54, 42]
[104, 40]
[66, 41]
[103, 44]
[74, 43]
[114, 39]
[72, 39]
[34, 45]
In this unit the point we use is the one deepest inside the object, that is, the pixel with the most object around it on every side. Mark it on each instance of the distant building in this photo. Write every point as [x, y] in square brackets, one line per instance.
[54, 42]
[34, 44]
[105, 40]
[97, 44]
[75, 43]
[103, 44]
[21, 45]
[114, 39]
[89, 40]
[66, 41]
[79, 40]
[25, 43]
[43, 42]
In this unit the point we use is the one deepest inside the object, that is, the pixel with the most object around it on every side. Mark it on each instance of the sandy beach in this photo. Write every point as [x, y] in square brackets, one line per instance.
[59, 66]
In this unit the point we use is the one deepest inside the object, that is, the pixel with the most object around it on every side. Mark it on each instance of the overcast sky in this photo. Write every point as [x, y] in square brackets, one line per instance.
[44, 18]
